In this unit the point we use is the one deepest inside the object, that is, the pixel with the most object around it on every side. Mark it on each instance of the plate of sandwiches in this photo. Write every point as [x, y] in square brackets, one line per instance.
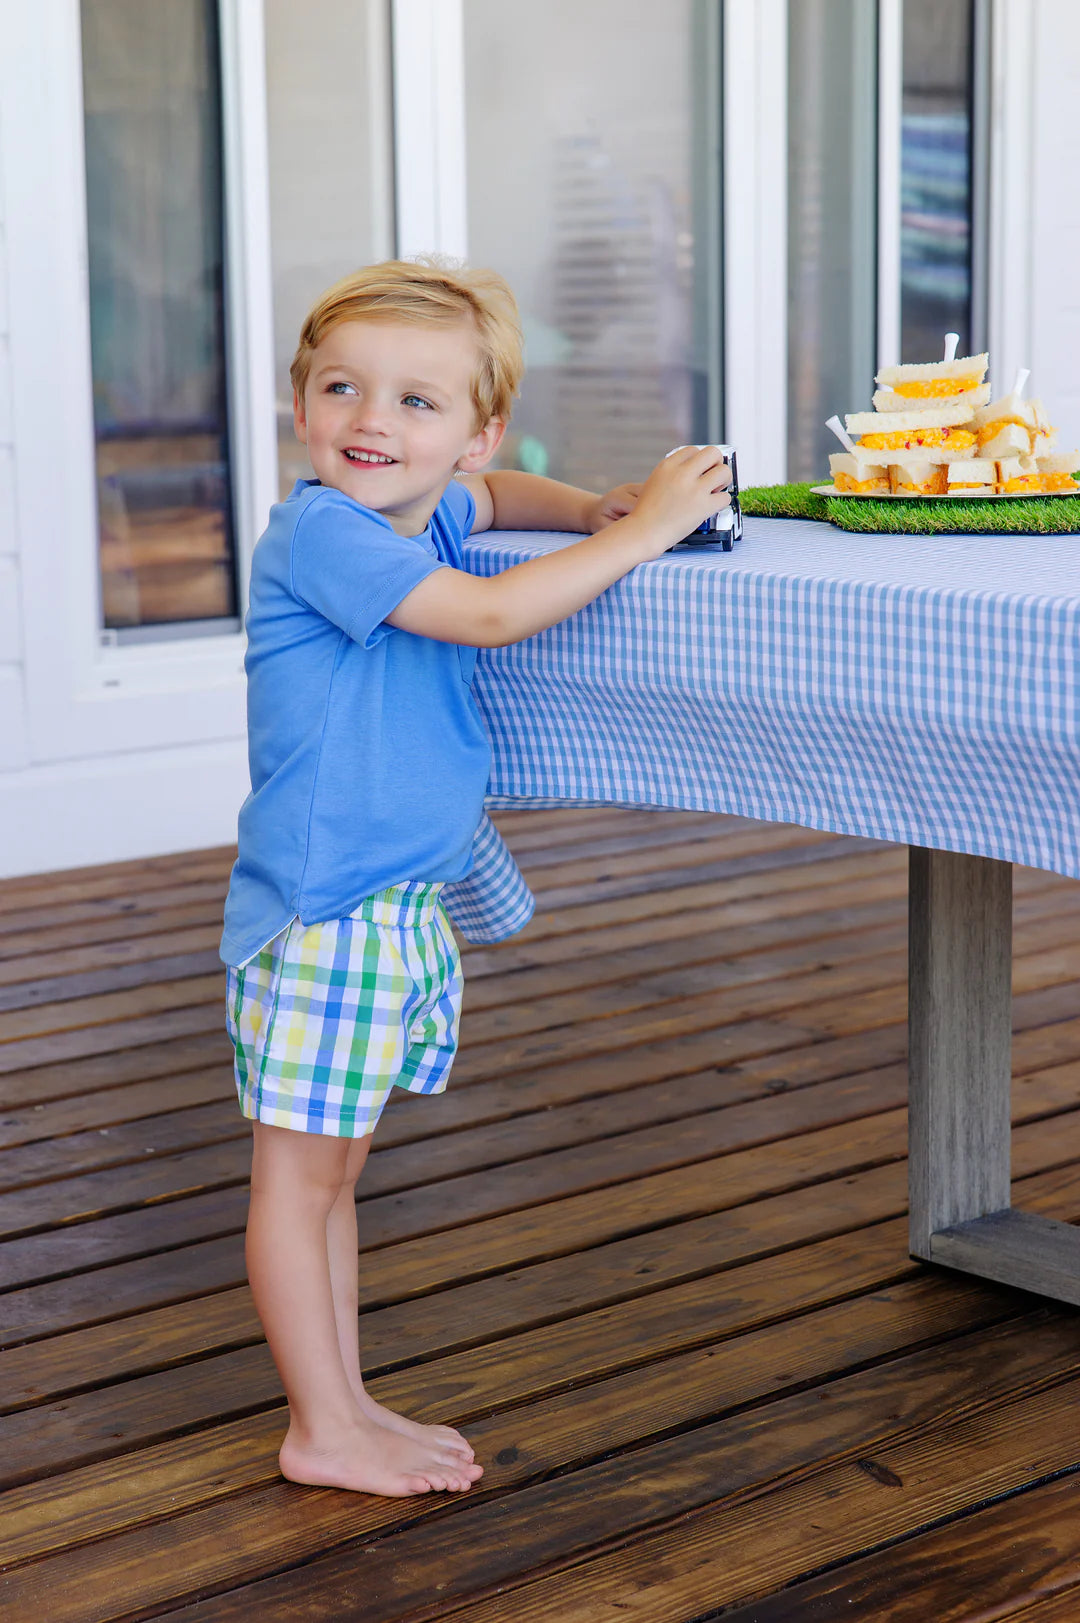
[935, 431]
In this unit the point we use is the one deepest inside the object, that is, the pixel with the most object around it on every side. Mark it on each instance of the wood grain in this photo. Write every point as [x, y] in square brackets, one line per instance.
[649, 1248]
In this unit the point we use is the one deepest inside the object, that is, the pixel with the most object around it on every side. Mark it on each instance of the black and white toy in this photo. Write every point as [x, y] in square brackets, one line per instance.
[726, 526]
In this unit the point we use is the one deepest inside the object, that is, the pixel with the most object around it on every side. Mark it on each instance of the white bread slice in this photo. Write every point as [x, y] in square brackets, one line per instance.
[1017, 467]
[966, 366]
[1011, 407]
[916, 476]
[1043, 444]
[896, 422]
[859, 467]
[1064, 462]
[1010, 441]
[973, 471]
[971, 491]
[1042, 421]
[887, 400]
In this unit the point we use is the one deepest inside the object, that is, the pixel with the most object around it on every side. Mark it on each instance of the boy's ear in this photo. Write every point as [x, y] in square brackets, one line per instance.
[482, 446]
[299, 418]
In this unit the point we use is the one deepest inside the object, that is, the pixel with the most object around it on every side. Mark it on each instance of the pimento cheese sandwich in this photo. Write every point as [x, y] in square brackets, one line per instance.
[857, 477]
[975, 477]
[1058, 473]
[916, 476]
[935, 380]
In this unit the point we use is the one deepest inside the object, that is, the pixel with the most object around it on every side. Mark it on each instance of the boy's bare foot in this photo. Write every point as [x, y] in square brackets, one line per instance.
[370, 1458]
[442, 1436]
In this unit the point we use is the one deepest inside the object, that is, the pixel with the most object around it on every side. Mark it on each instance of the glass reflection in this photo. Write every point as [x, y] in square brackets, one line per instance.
[593, 188]
[936, 177]
[154, 220]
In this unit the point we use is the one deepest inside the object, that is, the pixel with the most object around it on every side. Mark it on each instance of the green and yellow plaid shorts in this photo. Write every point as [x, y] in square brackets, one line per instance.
[327, 1019]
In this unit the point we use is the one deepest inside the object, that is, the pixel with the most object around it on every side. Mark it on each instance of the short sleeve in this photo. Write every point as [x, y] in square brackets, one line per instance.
[459, 503]
[352, 568]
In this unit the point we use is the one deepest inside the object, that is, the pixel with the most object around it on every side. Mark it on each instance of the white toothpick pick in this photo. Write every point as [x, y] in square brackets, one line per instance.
[1023, 373]
[841, 433]
[952, 339]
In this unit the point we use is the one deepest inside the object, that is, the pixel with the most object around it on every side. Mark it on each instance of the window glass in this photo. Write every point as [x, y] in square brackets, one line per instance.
[832, 225]
[936, 177]
[593, 187]
[154, 217]
[327, 81]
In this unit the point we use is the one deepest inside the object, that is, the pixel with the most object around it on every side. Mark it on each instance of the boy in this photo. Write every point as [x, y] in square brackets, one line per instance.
[369, 764]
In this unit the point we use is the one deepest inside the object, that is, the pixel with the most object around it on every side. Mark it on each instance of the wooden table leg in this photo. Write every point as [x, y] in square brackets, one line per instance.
[960, 1027]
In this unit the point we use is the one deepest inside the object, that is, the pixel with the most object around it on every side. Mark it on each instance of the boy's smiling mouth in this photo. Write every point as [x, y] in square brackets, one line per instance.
[379, 458]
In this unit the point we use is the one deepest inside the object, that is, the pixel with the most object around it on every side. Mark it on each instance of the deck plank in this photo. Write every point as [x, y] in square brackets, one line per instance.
[649, 1248]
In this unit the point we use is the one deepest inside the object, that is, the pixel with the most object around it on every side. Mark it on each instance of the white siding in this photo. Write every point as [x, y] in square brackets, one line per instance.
[13, 739]
[1055, 203]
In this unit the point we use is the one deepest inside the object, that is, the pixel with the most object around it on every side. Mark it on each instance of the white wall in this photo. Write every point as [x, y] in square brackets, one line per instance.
[13, 739]
[1055, 206]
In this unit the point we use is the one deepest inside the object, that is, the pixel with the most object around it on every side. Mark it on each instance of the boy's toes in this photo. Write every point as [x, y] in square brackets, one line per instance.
[453, 1439]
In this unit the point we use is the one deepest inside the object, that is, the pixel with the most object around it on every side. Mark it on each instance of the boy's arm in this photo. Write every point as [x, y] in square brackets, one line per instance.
[507, 500]
[491, 612]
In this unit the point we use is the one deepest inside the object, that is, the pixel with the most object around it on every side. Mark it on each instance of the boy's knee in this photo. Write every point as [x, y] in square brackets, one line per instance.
[305, 1165]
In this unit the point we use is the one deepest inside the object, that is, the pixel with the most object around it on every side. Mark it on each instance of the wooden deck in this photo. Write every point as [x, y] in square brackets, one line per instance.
[649, 1250]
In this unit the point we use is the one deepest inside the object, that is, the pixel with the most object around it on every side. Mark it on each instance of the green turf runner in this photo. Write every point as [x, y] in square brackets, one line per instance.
[1038, 515]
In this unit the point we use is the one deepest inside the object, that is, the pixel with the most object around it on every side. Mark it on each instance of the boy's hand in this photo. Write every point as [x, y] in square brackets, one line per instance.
[615, 504]
[679, 494]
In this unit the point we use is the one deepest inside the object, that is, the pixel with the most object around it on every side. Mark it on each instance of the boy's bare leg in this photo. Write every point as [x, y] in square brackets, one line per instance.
[342, 1244]
[295, 1179]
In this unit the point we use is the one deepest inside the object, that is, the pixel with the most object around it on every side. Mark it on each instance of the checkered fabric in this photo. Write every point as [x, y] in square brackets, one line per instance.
[492, 901]
[327, 1019]
[924, 690]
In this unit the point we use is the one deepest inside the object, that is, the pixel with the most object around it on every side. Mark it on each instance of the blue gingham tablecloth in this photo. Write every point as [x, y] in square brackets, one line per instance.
[916, 689]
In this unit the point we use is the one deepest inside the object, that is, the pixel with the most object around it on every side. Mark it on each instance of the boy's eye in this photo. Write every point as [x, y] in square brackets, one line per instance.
[339, 388]
[418, 400]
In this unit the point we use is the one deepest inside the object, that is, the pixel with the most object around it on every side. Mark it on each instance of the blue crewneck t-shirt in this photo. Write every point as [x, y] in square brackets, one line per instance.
[369, 760]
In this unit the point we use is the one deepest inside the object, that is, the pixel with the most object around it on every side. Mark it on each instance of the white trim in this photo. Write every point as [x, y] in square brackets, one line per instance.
[141, 805]
[249, 277]
[889, 133]
[85, 699]
[429, 127]
[1012, 104]
[755, 236]
[380, 90]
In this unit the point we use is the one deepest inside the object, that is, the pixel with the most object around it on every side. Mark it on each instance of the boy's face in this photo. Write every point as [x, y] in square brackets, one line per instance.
[388, 417]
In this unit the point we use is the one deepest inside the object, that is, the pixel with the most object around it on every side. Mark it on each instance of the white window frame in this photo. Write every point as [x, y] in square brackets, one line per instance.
[85, 698]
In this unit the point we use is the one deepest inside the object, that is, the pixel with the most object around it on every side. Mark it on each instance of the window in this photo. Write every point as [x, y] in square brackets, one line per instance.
[593, 186]
[152, 102]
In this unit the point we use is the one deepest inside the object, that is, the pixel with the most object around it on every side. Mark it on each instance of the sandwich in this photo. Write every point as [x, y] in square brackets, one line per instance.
[973, 397]
[936, 434]
[1011, 411]
[857, 477]
[1044, 437]
[1004, 441]
[936, 381]
[1019, 475]
[916, 477]
[976, 476]
[1058, 473]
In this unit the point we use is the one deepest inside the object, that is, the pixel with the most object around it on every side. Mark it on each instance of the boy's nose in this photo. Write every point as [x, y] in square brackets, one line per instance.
[372, 416]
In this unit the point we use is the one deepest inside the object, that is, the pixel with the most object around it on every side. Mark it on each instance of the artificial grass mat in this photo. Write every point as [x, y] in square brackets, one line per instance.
[1038, 515]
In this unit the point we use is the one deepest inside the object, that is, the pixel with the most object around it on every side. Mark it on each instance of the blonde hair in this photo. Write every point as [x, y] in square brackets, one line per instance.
[432, 290]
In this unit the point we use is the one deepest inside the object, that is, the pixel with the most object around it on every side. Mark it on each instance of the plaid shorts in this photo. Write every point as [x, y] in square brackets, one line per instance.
[328, 1018]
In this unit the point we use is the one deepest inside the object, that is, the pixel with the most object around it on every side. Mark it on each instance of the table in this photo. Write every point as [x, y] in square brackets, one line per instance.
[923, 691]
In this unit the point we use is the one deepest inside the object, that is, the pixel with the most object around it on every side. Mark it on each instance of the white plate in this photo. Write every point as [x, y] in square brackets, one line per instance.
[955, 496]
